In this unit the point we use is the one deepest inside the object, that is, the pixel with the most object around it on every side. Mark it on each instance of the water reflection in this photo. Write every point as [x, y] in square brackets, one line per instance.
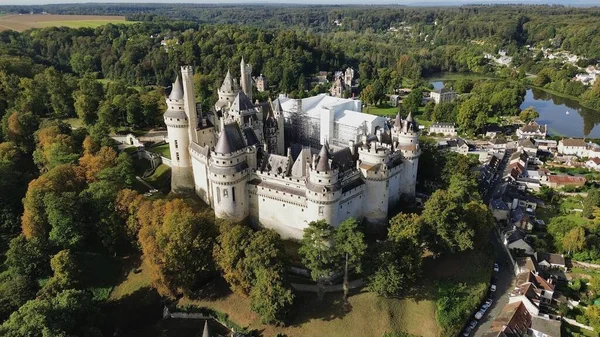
[579, 122]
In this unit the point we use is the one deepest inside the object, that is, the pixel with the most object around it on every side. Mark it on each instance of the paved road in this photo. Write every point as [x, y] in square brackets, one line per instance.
[504, 277]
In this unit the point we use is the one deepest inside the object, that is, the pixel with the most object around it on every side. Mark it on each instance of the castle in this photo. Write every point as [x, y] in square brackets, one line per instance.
[340, 163]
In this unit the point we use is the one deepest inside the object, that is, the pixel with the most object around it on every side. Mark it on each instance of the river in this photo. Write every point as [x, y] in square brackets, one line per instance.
[579, 122]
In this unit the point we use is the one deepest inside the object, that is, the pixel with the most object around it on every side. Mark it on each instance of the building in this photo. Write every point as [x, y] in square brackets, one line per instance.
[548, 261]
[313, 120]
[532, 130]
[235, 158]
[446, 129]
[515, 240]
[443, 95]
[593, 164]
[559, 181]
[457, 145]
[513, 320]
[572, 147]
[500, 209]
[527, 145]
[261, 83]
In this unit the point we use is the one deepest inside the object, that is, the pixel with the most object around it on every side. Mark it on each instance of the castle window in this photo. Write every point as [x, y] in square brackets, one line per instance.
[218, 195]
[320, 210]
[233, 194]
[225, 193]
[177, 155]
[176, 146]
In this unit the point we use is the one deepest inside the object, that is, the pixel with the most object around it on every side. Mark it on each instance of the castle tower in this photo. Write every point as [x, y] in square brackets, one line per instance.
[187, 73]
[176, 119]
[270, 130]
[246, 78]
[226, 92]
[408, 144]
[374, 159]
[229, 172]
[278, 113]
[323, 188]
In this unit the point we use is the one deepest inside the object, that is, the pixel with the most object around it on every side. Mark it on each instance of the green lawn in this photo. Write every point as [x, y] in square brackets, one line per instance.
[563, 209]
[160, 176]
[163, 150]
[385, 112]
[74, 122]
[99, 273]
[460, 76]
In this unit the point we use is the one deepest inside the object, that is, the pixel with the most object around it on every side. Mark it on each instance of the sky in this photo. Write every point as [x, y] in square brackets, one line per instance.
[327, 2]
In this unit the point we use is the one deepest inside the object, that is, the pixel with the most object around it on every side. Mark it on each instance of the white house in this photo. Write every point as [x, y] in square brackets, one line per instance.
[532, 130]
[573, 147]
[593, 164]
[447, 129]
[443, 96]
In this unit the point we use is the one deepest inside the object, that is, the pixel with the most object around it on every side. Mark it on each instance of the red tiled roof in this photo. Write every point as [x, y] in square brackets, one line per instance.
[566, 180]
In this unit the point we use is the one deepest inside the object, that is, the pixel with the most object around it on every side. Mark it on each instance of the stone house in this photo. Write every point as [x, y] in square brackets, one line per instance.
[447, 129]
[443, 96]
[532, 130]
[573, 147]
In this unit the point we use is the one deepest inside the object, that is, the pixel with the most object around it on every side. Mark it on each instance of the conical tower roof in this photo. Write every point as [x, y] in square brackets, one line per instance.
[227, 82]
[323, 163]
[398, 121]
[270, 120]
[224, 145]
[241, 103]
[176, 90]
[409, 118]
[206, 333]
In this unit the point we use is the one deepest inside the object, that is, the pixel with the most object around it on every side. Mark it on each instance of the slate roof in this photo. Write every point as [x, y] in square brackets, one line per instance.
[176, 90]
[526, 143]
[323, 160]
[276, 164]
[549, 327]
[533, 127]
[498, 204]
[241, 103]
[250, 136]
[230, 140]
[551, 258]
[398, 121]
[443, 91]
[227, 83]
[344, 159]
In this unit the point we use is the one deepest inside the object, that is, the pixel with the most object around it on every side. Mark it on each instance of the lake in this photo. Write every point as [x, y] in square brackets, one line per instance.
[580, 122]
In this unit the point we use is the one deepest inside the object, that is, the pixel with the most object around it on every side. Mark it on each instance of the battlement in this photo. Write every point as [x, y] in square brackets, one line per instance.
[187, 70]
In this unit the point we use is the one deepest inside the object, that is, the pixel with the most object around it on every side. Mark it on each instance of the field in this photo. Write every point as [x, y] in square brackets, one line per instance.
[24, 22]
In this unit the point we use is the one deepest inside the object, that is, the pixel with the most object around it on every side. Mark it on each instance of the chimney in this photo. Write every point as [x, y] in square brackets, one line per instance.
[351, 146]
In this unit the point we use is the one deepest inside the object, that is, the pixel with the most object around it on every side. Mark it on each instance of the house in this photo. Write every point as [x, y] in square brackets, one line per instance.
[493, 130]
[394, 100]
[547, 261]
[593, 164]
[498, 144]
[513, 320]
[559, 181]
[500, 209]
[574, 147]
[515, 240]
[446, 129]
[459, 146]
[522, 219]
[593, 151]
[532, 130]
[545, 327]
[261, 83]
[526, 264]
[443, 96]
[527, 145]
[547, 145]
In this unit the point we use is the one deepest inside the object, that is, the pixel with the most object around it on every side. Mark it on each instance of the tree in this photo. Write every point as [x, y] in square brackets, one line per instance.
[468, 111]
[178, 248]
[591, 200]
[19, 127]
[463, 86]
[27, 257]
[229, 255]
[428, 111]
[15, 290]
[349, 243]
[270, 296]
[88, 98]
[66, 219]
[317, 251]
[66, 274]
[529, 114]
[70, 313]
[394, 268]
[574, 240]
[367, 95]
[412, 101]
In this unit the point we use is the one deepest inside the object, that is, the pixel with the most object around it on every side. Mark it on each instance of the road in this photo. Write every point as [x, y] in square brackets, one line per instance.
[505, 276]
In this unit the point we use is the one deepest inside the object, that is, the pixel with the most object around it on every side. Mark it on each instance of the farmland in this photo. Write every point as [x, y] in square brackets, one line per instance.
[26, 21]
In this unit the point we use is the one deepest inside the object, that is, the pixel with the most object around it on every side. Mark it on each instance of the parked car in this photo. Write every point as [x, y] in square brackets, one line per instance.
[493, 288]
[489, 302]
[467, 332]
[473, 324]
[479, 314]
[496, 267]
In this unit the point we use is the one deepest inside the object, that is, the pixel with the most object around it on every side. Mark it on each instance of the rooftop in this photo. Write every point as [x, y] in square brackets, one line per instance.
[576, 142]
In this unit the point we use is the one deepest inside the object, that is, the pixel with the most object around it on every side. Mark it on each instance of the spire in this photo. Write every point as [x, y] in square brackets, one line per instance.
[206, 333]
[223, 145]
[270, 120]
[410, 117]
[176, 90]
[277, 106]
[398, 121]
[242, 63]
[227, 83]
[323, 163]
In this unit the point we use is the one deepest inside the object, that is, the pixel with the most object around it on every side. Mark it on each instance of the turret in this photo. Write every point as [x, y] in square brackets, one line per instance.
[270, 130]
[227, 92]
[177, 123]
[323, 188]
[187, 73]
[229, 172]
[246, 78]
[409, 146]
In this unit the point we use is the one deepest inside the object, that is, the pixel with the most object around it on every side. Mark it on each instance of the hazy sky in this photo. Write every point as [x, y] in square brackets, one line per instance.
[337, 2]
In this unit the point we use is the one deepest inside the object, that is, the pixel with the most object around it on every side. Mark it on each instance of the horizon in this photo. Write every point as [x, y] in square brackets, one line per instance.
[411, 3]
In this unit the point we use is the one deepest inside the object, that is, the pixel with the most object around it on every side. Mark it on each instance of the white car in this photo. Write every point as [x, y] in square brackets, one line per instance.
[493, 288]
[467, 332]
[496, 267]
[479, 314]
[489, 302]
